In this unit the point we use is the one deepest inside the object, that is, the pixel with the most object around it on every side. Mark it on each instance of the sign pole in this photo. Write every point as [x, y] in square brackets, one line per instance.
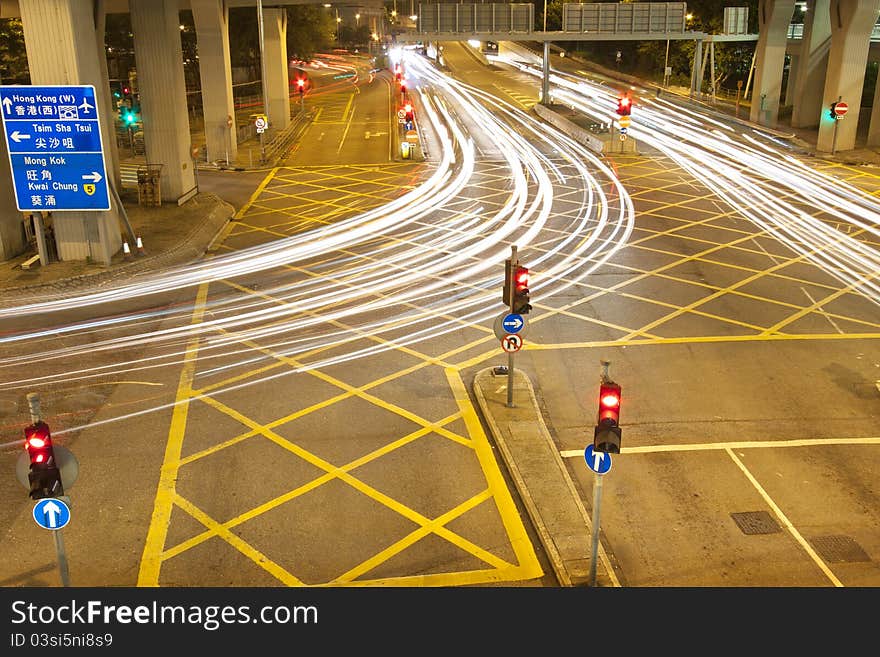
[594, 549]
[33, 399]
[834, 136]
[62, 558]
[513, 264]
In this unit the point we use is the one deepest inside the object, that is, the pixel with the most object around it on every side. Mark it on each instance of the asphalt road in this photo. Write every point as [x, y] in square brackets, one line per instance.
[749, 408]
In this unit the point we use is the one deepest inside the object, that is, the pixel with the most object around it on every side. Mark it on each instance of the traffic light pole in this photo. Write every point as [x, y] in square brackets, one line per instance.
[34, 405]
[597, 503]
[513, 263]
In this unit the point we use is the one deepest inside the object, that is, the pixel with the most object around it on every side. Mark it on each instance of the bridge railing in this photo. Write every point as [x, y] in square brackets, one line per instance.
[796, 31]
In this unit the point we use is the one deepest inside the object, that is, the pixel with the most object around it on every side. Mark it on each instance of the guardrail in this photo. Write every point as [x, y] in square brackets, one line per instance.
[796, 31]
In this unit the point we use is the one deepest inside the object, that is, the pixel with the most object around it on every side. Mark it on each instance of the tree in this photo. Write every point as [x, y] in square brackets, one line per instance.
[310, 29]
[13, 60]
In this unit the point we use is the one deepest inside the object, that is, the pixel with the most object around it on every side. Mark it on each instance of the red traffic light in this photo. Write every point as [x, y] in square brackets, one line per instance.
[521, 279]
[38, 443]
[624, 105]
[609, 403]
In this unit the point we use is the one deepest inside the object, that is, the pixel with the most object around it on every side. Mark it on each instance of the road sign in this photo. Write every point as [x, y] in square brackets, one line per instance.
[55, 149]
[513, 323]
[511, 343]
[598, 462]
[260, 122]
[412, 136]
[501, 331]
[624, 121]
[51, 513]
[840, 109]
[622, 136]
[401, 114]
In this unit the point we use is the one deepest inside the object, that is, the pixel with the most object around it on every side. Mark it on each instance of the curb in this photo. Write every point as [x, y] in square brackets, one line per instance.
[193, 246]
[548, 492]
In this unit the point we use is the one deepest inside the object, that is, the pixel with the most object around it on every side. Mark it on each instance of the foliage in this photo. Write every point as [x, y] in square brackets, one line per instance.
[13, 62]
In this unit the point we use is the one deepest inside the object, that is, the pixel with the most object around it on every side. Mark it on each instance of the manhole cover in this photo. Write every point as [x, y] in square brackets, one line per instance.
[755, 522]
[839, 549]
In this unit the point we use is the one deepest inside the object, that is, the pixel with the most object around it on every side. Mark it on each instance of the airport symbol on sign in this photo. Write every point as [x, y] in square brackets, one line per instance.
[511, 343]
[598, 462]
[55, 150]
[513, 323]
[51, 513]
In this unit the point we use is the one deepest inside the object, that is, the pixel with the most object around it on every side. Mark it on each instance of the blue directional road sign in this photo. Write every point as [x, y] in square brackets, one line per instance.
[598, 462]
[512, 323]
[55, 150]
[51, 513]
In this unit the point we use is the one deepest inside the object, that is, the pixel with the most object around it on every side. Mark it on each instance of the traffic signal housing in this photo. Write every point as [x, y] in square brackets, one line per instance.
[301, 85]
[607, 434]
[44, 475]
[624, 105]
[831, 111]
[409, 115]
[521, 303]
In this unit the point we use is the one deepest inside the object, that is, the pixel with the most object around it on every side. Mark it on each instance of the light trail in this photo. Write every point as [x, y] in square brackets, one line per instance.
[385, 274]
[756, 175]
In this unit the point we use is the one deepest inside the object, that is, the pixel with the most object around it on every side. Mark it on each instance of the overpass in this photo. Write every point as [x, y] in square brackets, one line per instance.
[65, 46]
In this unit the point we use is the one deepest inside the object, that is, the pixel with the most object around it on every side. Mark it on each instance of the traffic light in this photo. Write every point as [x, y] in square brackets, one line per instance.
[44, 475]
[301, 85]
[607, 434]
[403, 86]
[408, 112]
[831, 111]
[521, 290]
[624, 105]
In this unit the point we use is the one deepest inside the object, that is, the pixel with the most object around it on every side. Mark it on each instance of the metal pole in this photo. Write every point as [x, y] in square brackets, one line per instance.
[597, 503]
[545, 75]
[712, 69]
[513, 263]
[62, 558]
[262, 57]
[834, 136]
[749, 79]
[545, 15]
[33, 399]
[666, 66]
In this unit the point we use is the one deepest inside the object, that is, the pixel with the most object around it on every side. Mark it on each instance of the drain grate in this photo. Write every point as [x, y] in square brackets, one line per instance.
[839, 549]
[755, 522]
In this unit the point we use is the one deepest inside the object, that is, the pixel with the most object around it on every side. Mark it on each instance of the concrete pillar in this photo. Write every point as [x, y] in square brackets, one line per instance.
[276, 86]
[215, 69]
[159, 57]
[108, 107]
[806, 95]
[12, 240]
[774, 17]
[852, 22]
[61, 43]
[874, 126]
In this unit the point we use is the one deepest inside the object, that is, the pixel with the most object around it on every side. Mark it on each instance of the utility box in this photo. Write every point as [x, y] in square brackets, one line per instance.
[149, 182]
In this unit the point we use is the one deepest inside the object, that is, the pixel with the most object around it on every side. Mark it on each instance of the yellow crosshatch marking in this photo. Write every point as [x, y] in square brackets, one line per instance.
[291, 200]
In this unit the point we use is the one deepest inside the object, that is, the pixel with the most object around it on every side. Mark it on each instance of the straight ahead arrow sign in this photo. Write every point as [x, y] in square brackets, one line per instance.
[7, 105]
[52, 511]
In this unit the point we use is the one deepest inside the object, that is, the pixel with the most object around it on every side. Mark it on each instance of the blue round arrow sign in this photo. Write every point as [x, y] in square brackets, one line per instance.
[51, 513]
[598, 462]
[512, 323]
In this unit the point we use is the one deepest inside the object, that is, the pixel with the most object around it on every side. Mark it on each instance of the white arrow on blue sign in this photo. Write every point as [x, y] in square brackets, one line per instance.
[598, 462]
[512, 323]
[55, 150]
[51, 513]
